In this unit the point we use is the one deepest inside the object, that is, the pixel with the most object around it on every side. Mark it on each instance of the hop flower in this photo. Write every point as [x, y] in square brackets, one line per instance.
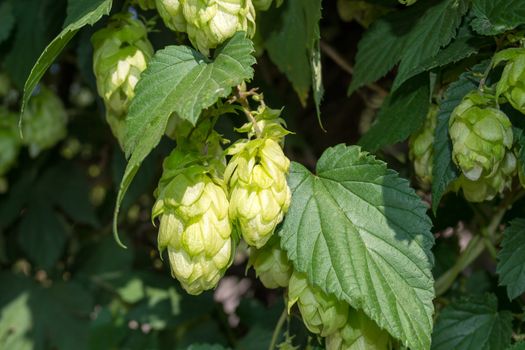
[359, 332]
[121, 54]
[482, 140]
[171, 13]
[44, 121]
[421, 150]
[259, 193]
[208, 22]
[194, 225]
[271, 264]
[512, 82]
[322, 314]
[9, 140]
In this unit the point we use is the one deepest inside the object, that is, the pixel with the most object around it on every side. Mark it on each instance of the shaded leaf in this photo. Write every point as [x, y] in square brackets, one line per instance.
[511, 259]
[497, 16]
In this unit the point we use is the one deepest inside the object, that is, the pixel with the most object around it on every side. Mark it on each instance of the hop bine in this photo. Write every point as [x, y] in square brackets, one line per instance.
[322, 314]
[194, 223]
[121, 54]
[421, 148]
[271, 264]
[44, 121]
[481, 147]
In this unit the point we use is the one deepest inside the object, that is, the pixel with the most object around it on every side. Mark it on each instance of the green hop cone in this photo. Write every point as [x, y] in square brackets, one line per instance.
[194, 224]
[171, 13]
[44, 121]
[208, 22]
[121, 54]
[512, 82]
[9, 140]
[322, 314]
[271, 264]
[421, 151]
[259, 193]
[481, 147]
[359, 333]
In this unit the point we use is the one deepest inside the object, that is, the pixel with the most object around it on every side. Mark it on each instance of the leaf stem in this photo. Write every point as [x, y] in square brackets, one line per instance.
[278, 328]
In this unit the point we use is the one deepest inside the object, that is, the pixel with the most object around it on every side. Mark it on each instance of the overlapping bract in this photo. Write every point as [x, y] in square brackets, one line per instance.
[512, 82]
[482, 139]
[359, 333]
[322, 314]
[121, 54]
[44, 121]
[259, 193]
[194, 224]
[208, 22]
[422, 148]
[10, 142]
[271, 264]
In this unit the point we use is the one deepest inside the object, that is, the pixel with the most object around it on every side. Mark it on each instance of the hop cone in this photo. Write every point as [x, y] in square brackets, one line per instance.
[44, 122]
[171, 13]
[481, 139]
[208, 22]
[421, 148]
[121, 54]
[194, 225]
[259, 193]
[512, 82]
[271, 264]
[359, 333]
[322, 314]
[9, 140]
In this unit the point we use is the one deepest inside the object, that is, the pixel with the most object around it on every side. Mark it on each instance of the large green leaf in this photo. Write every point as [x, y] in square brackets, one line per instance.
[382, 46]
[464, 45]
[297, 41]
[7, 20]
[497, 16]
[79, 14]
[511, 265]
[473, 324]
[444, 171]
[183, 81]
[360, 233]
[435, 29]
[403, 113]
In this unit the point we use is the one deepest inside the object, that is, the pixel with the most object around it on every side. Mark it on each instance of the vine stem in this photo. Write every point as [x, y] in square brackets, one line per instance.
[278, 329]
[241, 97]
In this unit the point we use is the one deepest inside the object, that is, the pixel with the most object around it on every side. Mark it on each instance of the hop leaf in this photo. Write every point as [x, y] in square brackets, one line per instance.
[44, 122]
[9, 140]
[512, 82]
[259, 193]
[421, 148]
[322, 314]
[481, 147]
[194, 224]
[271, 264]
[121, 54]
